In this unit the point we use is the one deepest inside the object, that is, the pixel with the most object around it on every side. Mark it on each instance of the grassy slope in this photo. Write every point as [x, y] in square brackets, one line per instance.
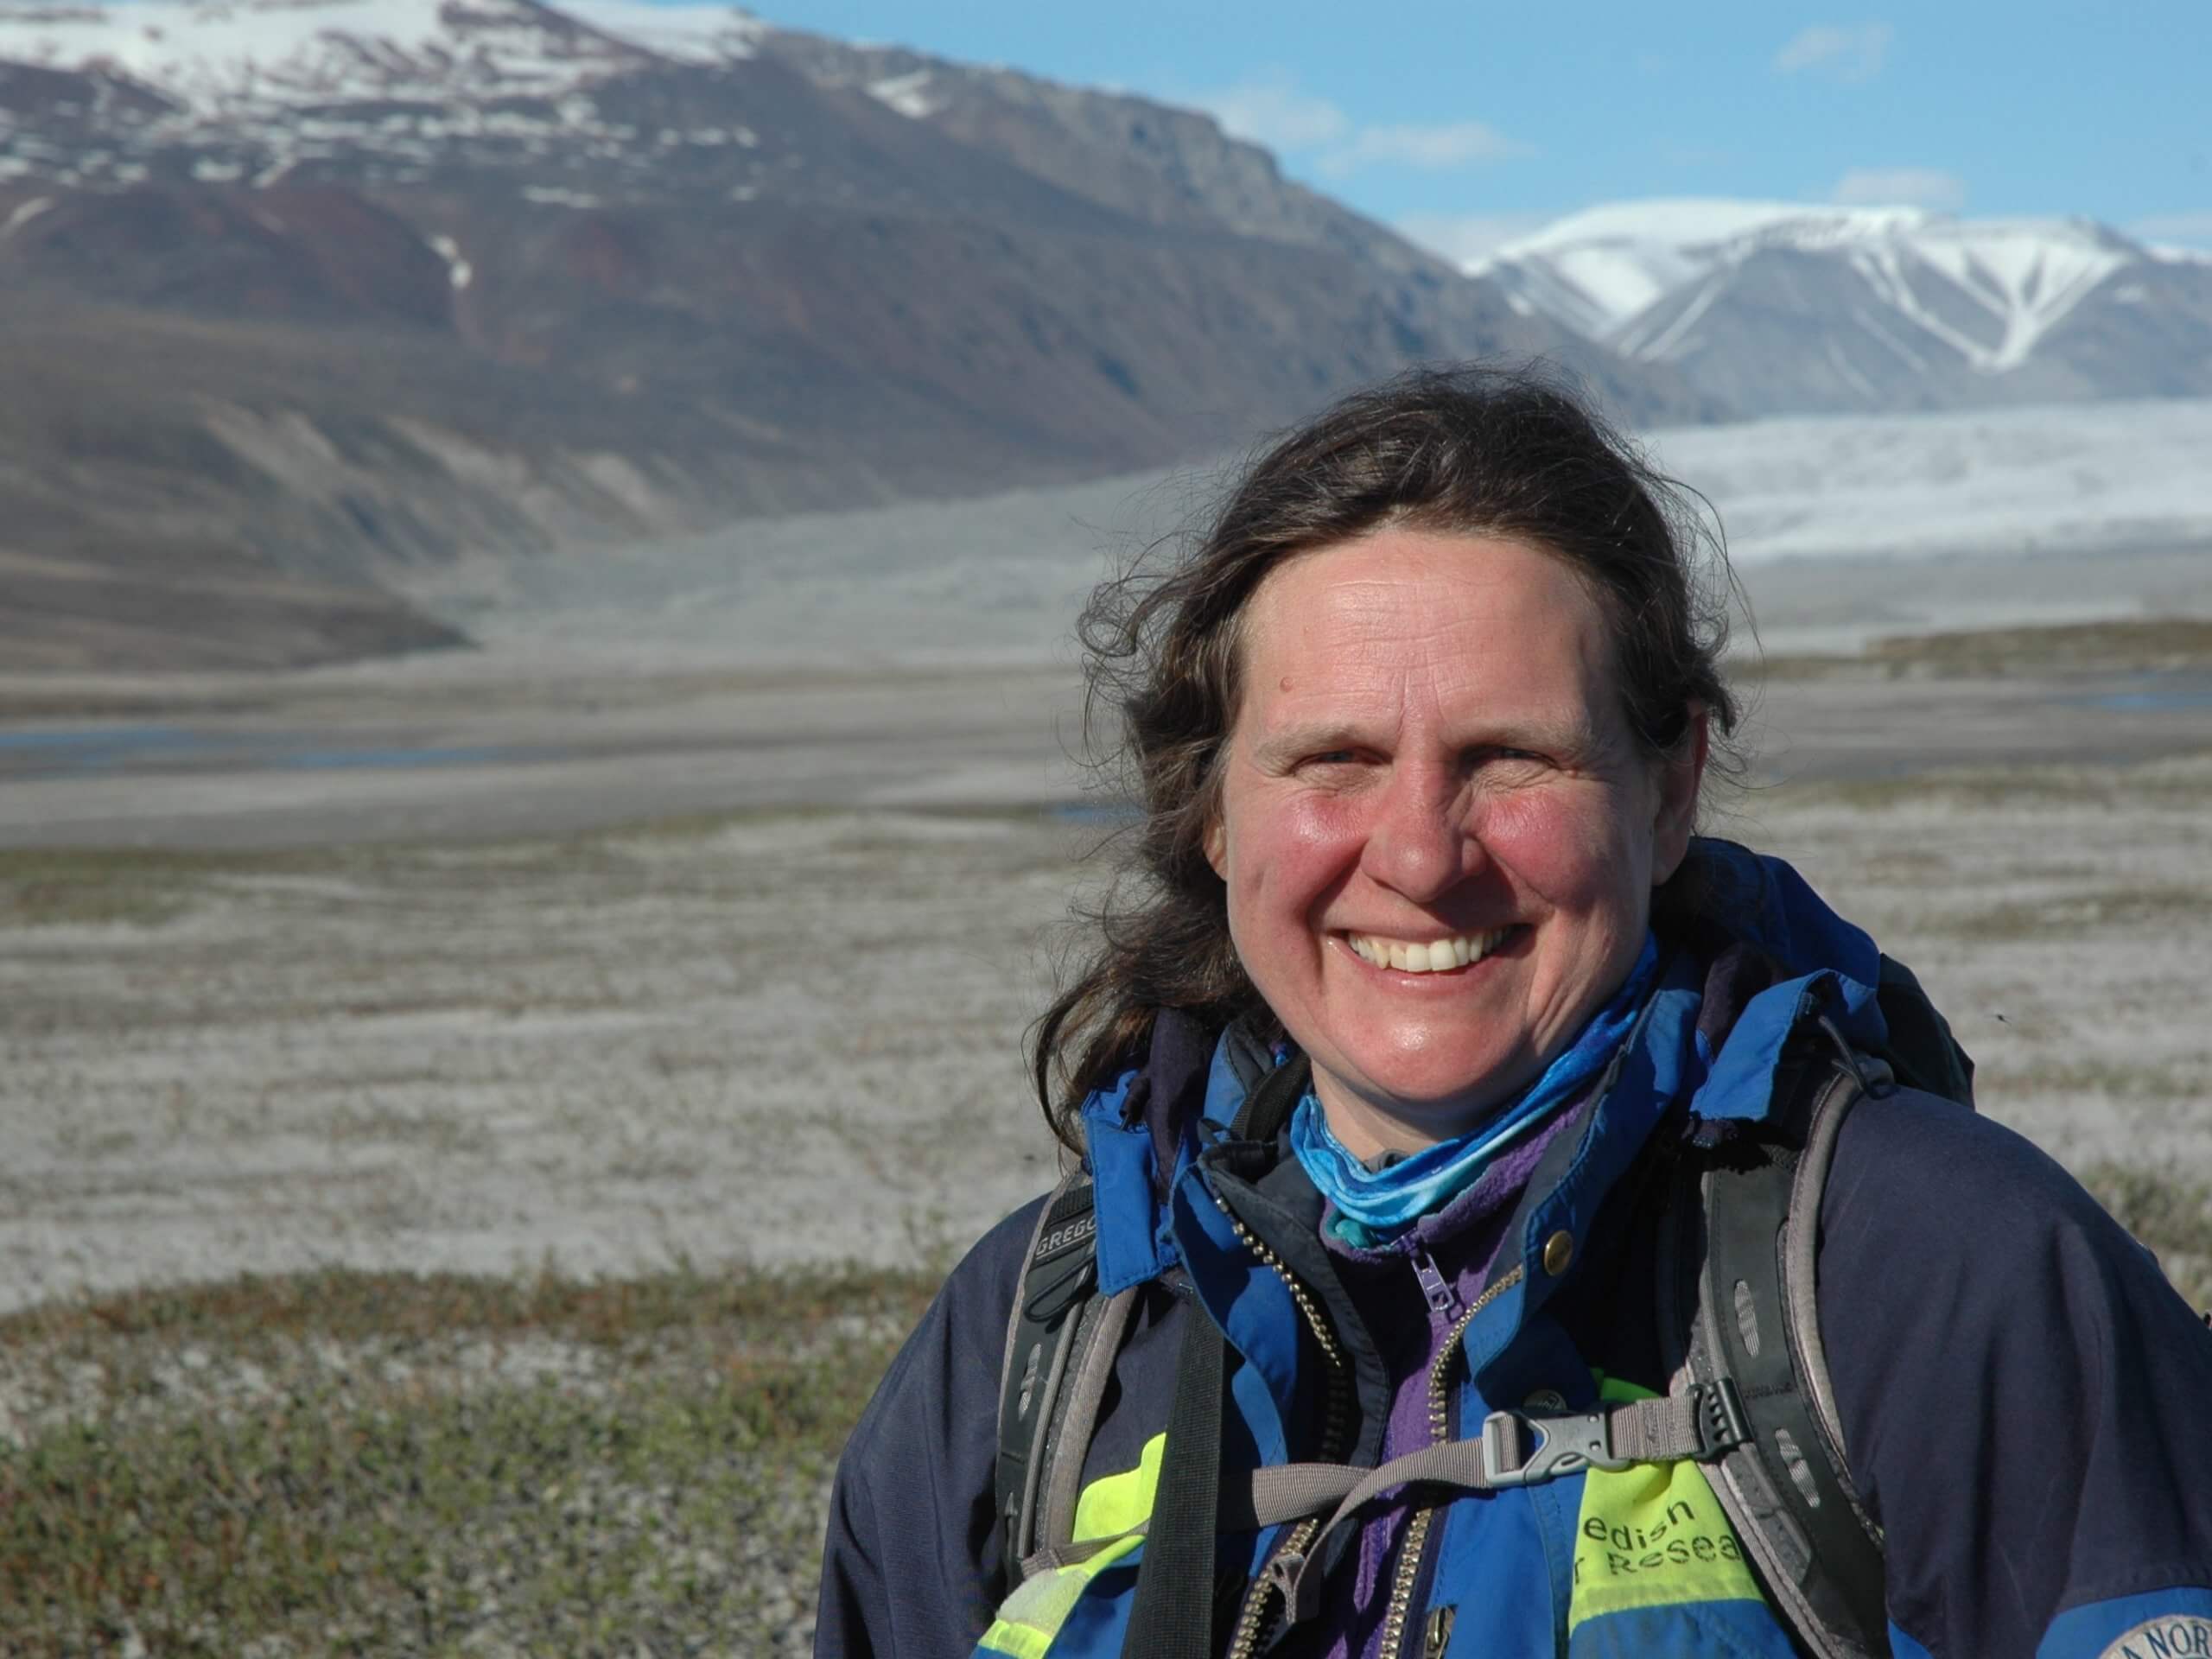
[389, 1464]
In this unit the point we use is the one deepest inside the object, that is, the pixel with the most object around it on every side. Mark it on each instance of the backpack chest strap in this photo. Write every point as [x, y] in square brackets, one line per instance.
[1513, 1449]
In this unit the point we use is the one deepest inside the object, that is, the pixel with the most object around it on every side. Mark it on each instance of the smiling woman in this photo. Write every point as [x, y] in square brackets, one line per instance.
[1428, 753]
[1457, 1143]
[1420, 470]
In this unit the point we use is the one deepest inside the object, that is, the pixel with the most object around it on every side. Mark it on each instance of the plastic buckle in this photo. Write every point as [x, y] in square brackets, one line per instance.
[1564, 1446]
[1721, 1424]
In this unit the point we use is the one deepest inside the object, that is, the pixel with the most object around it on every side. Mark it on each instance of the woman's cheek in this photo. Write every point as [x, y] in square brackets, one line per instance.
[1318, 825]
[1555, 841]
[1291, 852]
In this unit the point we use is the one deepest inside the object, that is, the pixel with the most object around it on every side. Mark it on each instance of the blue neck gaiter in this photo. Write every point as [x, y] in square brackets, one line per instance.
[1373, 1206]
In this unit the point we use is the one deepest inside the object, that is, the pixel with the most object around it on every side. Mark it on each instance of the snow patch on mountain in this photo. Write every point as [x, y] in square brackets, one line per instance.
[908, 94]
[555, 195]
[1875, 292]
[24, 215]
[458, 271]
[226, 57]
[248, 92]
[220, 55]
[1595, 270]
[688, 33]
[2027, 273]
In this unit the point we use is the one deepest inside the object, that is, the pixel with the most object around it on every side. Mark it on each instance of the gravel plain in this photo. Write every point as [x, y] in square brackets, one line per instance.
[792, 1032]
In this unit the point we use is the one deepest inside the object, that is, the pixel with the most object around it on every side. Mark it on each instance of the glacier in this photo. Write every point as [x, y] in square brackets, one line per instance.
[1994, 517]
[2060, 479]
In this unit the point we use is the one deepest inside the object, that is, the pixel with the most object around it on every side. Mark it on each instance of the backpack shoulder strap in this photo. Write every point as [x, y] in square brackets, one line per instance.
[1071, 1420]
[1832, 1097]
[1737, 1284]
[1058, 1329]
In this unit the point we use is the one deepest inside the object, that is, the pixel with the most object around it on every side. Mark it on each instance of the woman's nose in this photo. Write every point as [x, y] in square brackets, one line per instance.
[1419, 843]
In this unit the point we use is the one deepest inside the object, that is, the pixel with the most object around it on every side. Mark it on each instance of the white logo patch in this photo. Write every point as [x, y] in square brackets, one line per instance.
[2178, 1636]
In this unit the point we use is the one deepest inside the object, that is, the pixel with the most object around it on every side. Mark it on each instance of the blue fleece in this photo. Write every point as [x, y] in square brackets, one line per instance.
[1373, 1205]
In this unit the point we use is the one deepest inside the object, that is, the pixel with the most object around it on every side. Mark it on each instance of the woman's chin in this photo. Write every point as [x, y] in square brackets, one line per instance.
[1403, 1107]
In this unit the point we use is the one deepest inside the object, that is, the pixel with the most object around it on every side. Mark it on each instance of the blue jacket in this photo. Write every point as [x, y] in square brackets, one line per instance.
[2027, 1403]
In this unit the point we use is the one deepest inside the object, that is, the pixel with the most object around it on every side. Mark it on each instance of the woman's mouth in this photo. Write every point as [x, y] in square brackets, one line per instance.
[1425, 956]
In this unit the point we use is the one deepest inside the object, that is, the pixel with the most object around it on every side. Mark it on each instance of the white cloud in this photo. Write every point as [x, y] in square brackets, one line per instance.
[1273, 112]
[1849, 52]
[1450, 143]
[1465, 237]
[1901, 187]
[2185, 230]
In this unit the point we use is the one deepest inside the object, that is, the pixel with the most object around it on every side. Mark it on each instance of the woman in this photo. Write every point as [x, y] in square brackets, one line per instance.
[1419, 994]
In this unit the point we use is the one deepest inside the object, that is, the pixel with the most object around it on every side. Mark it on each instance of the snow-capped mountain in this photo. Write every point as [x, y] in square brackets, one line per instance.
[314, 291]
[221, 58]
[1786, 308]
[1596, 269]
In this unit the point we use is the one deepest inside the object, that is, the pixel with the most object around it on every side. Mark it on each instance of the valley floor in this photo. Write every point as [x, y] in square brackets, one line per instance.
[790, 1033]
[620, 959]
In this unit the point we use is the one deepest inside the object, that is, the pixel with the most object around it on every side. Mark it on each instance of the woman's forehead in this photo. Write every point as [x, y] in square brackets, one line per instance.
[1404, 565]
[1415, 611]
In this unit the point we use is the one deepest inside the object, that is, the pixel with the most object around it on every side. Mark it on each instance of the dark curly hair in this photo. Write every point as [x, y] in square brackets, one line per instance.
[1499, 452]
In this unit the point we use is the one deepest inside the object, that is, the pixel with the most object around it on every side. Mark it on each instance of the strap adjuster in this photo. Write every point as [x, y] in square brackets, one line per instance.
[1562, 1445]
[1519, 1450]
[1721, 1424]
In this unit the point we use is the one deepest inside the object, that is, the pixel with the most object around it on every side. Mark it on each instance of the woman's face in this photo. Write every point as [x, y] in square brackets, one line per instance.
[1430, 765]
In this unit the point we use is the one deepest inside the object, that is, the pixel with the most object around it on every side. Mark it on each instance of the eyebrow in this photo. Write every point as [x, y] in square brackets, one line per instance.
[1575, 738]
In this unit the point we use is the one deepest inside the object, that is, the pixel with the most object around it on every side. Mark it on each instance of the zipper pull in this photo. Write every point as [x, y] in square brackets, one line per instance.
[1437, 1636]
[1434, 1287]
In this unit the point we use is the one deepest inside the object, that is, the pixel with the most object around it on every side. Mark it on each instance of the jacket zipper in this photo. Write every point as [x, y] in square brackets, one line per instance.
[1253, 1622]
[1440, 1430]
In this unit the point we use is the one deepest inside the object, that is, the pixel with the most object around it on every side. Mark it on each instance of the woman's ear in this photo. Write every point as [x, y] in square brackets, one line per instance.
[1216, 845]
[1680, 773]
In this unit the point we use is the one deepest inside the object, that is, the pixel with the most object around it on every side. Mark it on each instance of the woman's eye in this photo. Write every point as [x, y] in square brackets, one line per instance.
[1332, 763]
[1501, 755]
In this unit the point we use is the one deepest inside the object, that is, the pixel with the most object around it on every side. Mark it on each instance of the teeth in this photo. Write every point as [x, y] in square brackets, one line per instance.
[1426, 957]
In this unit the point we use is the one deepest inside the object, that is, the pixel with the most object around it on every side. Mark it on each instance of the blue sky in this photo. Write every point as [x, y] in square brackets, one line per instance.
[1465, 123]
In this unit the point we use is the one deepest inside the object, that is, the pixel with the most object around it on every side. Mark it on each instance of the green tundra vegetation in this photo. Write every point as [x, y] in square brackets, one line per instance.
[385, 1464]
[365, 1462]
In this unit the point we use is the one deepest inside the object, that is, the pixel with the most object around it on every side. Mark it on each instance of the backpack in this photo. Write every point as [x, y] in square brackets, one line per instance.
[1750, 1396]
